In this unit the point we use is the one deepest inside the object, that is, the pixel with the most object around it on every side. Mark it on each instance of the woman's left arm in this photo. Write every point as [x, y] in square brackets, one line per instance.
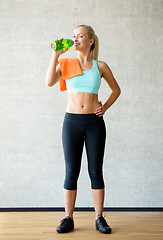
[116, 91]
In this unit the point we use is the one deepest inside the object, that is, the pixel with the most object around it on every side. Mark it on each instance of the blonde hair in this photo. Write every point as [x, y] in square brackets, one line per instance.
[94, 49]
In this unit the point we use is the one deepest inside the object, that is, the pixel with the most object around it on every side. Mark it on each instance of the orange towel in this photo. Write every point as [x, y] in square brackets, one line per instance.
[70, 67]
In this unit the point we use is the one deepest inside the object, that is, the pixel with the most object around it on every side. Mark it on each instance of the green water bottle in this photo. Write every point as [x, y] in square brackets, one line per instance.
[62, 44]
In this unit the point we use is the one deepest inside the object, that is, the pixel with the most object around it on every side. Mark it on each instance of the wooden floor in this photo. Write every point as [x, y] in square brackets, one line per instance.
[42, 226]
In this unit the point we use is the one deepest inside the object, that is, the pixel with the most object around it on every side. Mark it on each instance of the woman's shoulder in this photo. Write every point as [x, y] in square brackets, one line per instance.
[101, 66]
[101, 63]
[67, 59]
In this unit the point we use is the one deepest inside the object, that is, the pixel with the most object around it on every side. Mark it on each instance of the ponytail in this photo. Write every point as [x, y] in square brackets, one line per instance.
[95, 48]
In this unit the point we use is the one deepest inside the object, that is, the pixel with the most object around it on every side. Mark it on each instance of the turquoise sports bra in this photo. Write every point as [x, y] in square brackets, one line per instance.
[89, 81]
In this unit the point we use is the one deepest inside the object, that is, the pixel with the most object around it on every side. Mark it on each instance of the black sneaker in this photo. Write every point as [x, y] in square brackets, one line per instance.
[102, 225]
[67, 224]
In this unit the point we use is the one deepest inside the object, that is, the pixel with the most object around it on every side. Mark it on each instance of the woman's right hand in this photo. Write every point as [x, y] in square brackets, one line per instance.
[59, 52]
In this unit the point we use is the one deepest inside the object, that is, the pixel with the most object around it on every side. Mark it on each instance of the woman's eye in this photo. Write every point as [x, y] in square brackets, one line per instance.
[74, 36]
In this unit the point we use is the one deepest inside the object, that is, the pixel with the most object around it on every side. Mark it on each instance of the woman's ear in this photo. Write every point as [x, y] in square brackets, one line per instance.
[92, 40]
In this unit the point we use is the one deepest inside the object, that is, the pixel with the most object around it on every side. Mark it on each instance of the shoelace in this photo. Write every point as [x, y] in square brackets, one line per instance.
[103, 221]
[64, 220]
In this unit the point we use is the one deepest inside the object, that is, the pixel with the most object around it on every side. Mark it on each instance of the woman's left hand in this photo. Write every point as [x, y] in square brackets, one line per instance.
[100, 110]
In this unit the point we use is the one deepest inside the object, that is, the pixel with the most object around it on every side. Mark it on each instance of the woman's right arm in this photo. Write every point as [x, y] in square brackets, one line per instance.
[54, 73]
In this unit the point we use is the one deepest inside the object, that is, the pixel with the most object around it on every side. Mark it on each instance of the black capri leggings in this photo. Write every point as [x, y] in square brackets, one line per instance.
[77, 129]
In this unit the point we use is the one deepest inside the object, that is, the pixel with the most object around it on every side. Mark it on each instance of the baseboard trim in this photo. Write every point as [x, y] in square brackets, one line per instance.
[84, 209]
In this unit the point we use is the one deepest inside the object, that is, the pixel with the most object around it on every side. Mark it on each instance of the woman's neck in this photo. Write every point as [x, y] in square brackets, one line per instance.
[84, 57]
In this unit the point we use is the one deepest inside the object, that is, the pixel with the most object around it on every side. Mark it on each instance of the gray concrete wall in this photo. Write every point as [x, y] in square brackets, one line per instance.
[31, 114]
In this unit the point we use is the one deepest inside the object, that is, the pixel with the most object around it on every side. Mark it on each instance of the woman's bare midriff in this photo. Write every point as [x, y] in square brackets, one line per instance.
[82, 103]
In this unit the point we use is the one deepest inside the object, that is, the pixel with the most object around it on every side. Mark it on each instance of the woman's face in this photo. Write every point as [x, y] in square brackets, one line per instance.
[81, 39]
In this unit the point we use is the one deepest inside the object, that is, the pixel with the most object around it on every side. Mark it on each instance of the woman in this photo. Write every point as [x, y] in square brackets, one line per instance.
[83, 122]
